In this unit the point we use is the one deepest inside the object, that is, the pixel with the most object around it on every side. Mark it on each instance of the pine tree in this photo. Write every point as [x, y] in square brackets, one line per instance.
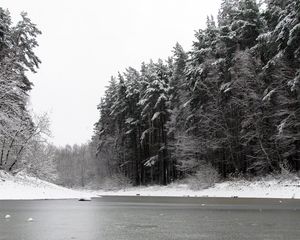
[133, 124]
[17, 44]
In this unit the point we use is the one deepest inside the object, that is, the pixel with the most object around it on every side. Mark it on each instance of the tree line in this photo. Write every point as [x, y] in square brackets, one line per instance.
[20, 131]
[232, 101]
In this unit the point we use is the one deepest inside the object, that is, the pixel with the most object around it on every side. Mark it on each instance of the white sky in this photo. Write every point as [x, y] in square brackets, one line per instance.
[85, 42]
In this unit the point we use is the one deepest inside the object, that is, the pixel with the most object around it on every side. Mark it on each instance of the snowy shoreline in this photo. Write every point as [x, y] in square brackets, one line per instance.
[23, 187]
[288, 189]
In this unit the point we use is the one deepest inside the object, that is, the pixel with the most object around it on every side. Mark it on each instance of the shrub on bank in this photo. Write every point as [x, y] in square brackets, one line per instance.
[206, 176]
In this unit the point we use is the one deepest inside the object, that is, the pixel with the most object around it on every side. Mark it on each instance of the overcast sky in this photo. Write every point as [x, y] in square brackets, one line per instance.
[85, 42]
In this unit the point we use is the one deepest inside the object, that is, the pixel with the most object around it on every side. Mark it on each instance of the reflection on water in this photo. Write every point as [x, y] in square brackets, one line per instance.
[70, 219]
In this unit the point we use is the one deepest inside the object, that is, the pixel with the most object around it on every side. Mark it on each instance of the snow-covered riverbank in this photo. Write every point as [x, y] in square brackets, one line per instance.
[26, 187]
[248, 189]
[22, 186]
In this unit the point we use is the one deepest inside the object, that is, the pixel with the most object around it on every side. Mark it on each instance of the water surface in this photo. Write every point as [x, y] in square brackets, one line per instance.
[134, 218]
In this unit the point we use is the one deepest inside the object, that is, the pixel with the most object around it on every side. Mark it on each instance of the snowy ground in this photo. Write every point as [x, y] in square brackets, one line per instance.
[25, 187]
[267, 188]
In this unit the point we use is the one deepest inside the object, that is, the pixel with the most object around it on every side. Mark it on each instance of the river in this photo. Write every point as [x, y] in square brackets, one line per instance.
[151, 218]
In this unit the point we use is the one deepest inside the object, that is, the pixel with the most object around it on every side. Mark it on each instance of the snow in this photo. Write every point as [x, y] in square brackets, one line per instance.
[22, 186]
[269, 95]
[26, 187]
[248, 189]
[156, 115]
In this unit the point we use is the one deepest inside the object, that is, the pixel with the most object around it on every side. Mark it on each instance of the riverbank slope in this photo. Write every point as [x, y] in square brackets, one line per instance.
[22, 186]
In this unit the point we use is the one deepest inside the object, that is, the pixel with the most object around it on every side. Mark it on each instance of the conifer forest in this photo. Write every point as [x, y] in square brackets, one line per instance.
[231, 102]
